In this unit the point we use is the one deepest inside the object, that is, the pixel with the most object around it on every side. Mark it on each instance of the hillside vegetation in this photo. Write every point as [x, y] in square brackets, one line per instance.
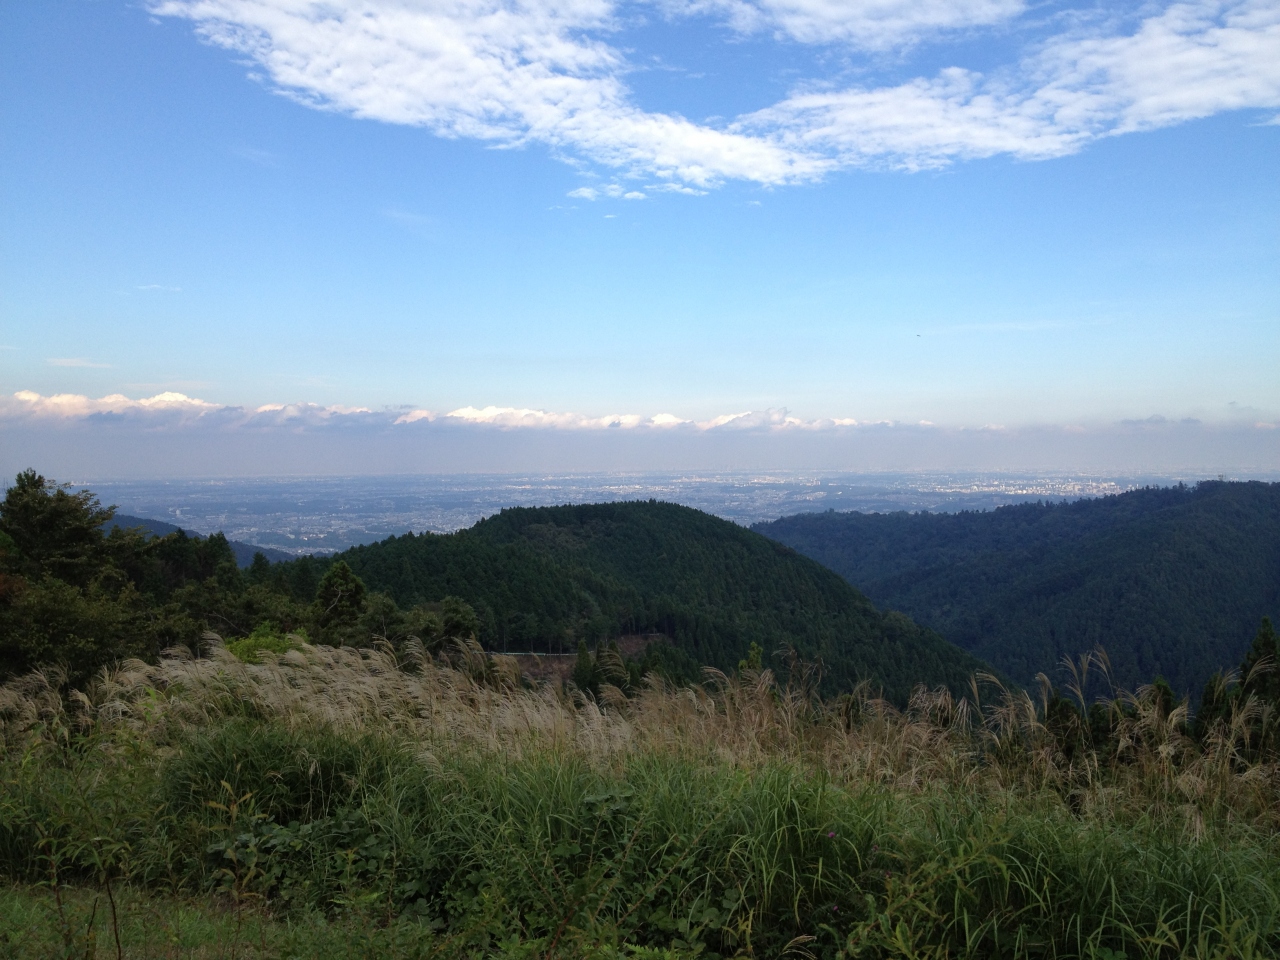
[1170, 581]
[243, 552]
[543, 578]
[706, 592]
[344, 803]
[79, 592]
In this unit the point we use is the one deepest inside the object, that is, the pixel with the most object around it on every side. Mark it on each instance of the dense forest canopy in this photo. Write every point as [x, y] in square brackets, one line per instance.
[543, 578]
[1169, 581]
[243, 552]
[80, 591]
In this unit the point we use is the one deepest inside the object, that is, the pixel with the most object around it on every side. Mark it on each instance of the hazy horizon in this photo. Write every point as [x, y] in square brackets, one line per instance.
[322, 514]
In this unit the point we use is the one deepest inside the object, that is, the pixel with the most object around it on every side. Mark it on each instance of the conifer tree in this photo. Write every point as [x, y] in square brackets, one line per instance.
[1260, 672]
[584, 669]
[54, 531]
[340, 597]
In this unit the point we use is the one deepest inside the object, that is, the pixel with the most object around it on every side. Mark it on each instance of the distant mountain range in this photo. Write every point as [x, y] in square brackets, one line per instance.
[542, 578]
[158, 528]
[1169, 581]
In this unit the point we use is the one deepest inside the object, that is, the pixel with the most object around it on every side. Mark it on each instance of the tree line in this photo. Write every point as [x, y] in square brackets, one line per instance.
[78, 597]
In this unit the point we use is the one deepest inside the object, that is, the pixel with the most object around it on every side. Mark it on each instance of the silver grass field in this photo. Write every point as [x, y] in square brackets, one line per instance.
[342, 802]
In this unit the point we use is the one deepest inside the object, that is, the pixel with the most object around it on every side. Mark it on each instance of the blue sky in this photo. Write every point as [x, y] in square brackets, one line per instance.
[974, 213]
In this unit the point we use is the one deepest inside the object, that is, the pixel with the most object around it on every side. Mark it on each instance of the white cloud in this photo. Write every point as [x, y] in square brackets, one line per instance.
[171, 434]
[170, 407]
[666, 420]
[725, 419]
[511, 72]
[413, 416]
[770, 420]
[268, 426]
[676, 188]
[300, 413]
[613, 190]
[26, 404]
[1190, 61]
[523, 417]
[74, 405]
[496, 70]
[869, 24]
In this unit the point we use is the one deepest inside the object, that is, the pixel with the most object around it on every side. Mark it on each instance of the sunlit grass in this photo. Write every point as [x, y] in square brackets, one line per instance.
[331, 793]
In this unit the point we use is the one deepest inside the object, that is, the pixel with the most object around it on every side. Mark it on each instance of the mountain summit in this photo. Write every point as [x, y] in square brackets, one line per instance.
[542, 578]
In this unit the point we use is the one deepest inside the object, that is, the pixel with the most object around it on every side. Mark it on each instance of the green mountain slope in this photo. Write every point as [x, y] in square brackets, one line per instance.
[543, 578]
[1170, 581]
[243, 552]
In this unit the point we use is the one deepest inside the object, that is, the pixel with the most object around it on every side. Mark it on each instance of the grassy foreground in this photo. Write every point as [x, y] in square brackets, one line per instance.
[333, 802]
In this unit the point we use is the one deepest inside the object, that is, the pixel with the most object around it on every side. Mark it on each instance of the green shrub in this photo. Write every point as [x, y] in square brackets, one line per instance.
[264, 639]
[291, 774]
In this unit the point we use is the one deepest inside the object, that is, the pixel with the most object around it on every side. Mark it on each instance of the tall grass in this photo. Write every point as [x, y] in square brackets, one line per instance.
[742, 818]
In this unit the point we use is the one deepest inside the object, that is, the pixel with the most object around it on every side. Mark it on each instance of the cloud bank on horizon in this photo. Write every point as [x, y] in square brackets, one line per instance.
[172, 435]
[514, 72]
[179, 409]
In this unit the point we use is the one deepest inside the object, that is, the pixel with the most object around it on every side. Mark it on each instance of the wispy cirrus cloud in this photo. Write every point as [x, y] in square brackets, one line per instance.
[1188, 62]
[870, 25]
[511, 73]
[502, 72]
[263, 158]
[616, 191]
[76, 362]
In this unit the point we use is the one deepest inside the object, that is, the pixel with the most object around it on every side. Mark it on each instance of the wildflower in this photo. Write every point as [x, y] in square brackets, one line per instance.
[831, 835]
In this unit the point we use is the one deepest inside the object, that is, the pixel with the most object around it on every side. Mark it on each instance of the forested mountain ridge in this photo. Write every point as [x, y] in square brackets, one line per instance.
[243, 552]
[1169, 581]
[542, 578]
[79, 592]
